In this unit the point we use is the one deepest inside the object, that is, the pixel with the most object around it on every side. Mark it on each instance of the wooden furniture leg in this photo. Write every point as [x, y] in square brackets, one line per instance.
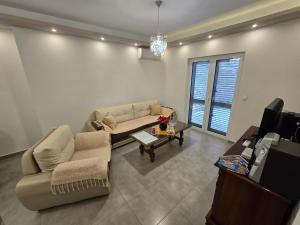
[151, 153]
[181, 138]
[142, 149]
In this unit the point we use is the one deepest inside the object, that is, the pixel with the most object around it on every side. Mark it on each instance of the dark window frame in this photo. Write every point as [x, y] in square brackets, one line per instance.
[192, 100]
[220, 104]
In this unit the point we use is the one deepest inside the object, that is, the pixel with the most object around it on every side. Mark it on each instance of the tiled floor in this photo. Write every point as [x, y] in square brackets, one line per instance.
[180, 191]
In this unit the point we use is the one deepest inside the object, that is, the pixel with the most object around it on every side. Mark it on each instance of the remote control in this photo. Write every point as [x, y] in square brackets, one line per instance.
[246, 143]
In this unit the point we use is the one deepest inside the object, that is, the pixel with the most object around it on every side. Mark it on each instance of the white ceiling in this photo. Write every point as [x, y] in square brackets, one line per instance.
[135, 16]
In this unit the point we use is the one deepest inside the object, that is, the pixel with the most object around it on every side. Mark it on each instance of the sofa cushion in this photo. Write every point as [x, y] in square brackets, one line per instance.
[134, 124]
[110, 121]
[58, 147]
[120, 113]
[103, 152]
[155, 109]
[142, 109]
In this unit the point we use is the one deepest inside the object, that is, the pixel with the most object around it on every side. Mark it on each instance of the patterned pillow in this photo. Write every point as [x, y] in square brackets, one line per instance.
[97, 125]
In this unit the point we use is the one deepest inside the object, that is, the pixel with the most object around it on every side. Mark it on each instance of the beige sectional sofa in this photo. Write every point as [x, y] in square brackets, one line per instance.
[59, 147]
[130, 118]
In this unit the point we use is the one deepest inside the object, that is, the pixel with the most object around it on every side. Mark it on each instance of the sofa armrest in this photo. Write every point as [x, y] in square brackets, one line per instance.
[89, 126]
[33, 184]
[167, 111]
[32, 190]
[90, 140]
[28, 163]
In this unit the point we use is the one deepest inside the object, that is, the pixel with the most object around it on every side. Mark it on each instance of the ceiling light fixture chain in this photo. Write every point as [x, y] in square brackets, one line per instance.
[158, 3]
[158, 42]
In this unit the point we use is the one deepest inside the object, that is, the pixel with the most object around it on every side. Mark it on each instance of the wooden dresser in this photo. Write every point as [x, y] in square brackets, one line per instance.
[240, 201]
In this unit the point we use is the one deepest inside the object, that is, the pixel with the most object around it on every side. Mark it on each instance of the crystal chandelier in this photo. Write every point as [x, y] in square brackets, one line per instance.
[158, 42]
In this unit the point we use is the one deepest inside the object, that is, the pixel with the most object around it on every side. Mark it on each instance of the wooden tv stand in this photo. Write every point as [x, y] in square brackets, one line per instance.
[240, 201]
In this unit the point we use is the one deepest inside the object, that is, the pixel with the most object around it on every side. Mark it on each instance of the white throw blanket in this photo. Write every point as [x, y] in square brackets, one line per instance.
[79, 175]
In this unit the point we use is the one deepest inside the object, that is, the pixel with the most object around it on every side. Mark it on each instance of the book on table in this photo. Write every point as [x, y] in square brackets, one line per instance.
[145, 137]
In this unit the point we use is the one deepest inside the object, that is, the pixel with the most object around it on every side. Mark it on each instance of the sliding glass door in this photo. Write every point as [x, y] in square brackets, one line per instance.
[200, 72]
[213, 87]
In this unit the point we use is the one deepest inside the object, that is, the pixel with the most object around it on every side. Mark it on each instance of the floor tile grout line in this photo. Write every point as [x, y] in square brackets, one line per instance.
[145, 185]
[167, 214]
[180, 214]
[180, 200]
[193, 188]
[196, 189]
[156, 180]
[127, 203]
[151, 197]
[134, 213]
[191, 223]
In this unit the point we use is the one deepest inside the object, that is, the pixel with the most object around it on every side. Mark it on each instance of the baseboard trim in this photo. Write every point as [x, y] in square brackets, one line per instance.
[212, 134]
[12, 154]
[122, 143]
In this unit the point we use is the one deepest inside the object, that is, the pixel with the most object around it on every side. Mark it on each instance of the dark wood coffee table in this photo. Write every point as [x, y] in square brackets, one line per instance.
[161, 139]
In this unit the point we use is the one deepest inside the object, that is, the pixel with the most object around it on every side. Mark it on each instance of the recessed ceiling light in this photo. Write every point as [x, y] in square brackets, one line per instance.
[136, 44]
[254, 25]
[209, 36]
[102, 38]
[53, 29]
[180, 43]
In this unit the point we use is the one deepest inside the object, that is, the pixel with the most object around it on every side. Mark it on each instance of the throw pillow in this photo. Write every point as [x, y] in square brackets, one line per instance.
[97, 125]
[110, 121]
[155, 109]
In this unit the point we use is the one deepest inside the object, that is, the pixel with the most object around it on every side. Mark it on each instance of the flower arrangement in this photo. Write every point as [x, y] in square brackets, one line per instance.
[163, 122]
[164, 119]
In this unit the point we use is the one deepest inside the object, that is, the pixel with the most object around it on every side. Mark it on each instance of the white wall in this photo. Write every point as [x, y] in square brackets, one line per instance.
[49, 79]
[12, 134]
[70, 77]
[271, 69]
[19, 125]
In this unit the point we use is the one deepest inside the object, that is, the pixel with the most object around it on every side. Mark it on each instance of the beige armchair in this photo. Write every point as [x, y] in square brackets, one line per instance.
[58, 147]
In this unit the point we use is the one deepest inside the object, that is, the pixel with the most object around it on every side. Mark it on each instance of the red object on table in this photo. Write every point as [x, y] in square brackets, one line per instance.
[164, 119]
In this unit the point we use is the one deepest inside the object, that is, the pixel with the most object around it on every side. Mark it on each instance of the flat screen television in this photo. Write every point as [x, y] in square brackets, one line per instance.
[270, 122]
[271, 118]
